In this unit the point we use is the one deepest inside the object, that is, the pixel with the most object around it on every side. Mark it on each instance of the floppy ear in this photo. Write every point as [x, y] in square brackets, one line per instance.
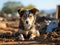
[34, 11]
[21, 11]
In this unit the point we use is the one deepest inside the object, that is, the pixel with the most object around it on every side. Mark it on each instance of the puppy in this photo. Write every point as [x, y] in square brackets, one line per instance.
[27, 24]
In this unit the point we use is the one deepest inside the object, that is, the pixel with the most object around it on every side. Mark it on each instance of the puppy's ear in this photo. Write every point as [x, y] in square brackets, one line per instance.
[34, 11]
[21, 11]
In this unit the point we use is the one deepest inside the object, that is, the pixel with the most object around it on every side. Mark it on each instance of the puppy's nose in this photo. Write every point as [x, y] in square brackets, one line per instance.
[26, 22]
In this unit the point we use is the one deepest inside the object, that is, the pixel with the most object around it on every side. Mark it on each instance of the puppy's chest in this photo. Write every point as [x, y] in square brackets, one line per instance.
[29, 32]
[26, 32]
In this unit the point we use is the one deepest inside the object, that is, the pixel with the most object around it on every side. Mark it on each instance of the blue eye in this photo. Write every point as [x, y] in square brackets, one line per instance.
[27, 12]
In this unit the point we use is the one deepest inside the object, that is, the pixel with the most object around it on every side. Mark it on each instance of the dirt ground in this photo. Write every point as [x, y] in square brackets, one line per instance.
[7, 38]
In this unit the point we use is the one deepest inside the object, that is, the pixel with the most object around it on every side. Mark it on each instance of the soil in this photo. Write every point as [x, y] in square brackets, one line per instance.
[7, 38]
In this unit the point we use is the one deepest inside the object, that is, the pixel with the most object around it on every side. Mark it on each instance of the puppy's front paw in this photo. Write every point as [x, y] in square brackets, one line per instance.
[32, 37]
[21, 37]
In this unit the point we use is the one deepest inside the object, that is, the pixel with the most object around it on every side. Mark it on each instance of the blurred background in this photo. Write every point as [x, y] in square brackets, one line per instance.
[49, 11]
[47, 8]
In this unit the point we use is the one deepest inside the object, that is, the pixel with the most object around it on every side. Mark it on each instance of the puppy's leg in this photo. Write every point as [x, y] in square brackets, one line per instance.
[37, 33]
[21, 37]
[32, 36]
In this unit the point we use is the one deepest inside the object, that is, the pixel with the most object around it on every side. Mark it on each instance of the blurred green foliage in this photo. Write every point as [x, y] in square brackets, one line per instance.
[11, 7]
[30, 6]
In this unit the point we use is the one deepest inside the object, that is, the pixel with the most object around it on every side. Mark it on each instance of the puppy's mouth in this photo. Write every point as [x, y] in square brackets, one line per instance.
[27, 27]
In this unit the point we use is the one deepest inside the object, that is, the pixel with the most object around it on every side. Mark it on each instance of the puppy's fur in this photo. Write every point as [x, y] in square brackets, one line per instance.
[27, 24]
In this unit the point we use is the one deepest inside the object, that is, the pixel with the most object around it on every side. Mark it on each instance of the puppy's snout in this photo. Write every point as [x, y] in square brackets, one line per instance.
[26, 22]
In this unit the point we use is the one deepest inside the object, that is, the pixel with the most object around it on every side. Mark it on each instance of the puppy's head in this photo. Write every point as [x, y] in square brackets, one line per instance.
[28, 17]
